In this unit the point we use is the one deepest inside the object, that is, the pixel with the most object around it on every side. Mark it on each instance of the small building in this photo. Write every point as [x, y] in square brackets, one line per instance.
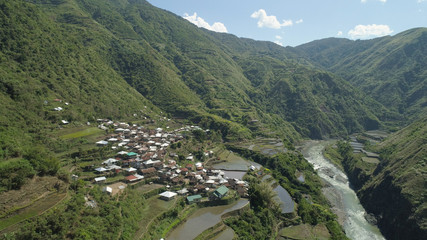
[183, 191]
[100, 179]
[101, 170]
[131, 154]
[101, 143]
[194, 198]
[110, 161]
[131, 170]
[149, 172]
[131, 178]
[184, 171]
[122, 153]
[189, 166]
[108, 190]
[220, 192]
[210, 183]
[167, 195]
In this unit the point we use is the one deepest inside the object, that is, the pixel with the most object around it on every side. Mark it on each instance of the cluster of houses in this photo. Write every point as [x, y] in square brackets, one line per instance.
[143, 155]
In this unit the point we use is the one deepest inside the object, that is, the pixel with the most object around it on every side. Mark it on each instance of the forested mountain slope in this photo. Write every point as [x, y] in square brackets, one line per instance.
[43, 59]
[291, 90]
[397, 191]
[108, 57]
[390, 69]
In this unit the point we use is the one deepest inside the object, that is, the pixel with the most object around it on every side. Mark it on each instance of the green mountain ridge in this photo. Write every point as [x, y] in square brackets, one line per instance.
[295, 89]
[95, 54]
[389, 69]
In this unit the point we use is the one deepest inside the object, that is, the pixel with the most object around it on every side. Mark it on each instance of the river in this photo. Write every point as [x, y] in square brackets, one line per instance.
[338, 191]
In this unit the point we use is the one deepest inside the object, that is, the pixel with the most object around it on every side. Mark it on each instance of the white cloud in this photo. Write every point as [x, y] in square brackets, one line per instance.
[200, 22]
[420, 1]
[369, 31]
[278, 40]
[278, 43]
[269, 21]
[339, 33]
[299, 21]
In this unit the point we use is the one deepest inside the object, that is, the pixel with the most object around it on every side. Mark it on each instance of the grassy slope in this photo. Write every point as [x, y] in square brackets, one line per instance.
[397, 190]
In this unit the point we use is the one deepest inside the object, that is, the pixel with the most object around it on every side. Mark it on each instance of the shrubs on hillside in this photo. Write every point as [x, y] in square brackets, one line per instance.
[14, 173]
[36, 160]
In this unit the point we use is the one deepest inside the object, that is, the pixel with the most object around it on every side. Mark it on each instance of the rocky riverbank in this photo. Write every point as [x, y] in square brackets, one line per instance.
[337, 190]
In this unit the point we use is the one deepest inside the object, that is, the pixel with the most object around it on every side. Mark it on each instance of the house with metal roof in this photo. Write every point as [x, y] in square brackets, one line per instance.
[194, 198]
[220, 192]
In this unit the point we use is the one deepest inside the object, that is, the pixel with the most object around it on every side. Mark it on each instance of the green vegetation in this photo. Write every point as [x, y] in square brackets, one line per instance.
[332, 154]
[253, 225]
[82, 133]
[283, 168]
[260, 221]
[33, 210]
[401, 175]
[36, 160]
[64, 63]
[106, 58]
[306, 232]
[389, 69]
[103, 220]
[14, 173]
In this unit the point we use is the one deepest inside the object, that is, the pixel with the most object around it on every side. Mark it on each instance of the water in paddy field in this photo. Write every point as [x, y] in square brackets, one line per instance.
[203, 219]
[346, 204]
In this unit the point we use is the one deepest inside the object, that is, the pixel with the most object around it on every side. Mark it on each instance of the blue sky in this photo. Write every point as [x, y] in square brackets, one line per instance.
[294, 22]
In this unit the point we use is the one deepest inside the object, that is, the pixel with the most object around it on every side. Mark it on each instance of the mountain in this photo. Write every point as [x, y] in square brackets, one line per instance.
[292, 90]
[389, 69]
[46, 63]
[79, 60]
[396, 192]
[111, 59]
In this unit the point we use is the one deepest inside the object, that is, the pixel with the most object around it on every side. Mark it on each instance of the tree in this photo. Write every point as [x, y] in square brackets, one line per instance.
[262, 196]
[199, 135]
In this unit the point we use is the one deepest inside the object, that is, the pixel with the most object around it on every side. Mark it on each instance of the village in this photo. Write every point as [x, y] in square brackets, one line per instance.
[144, 156]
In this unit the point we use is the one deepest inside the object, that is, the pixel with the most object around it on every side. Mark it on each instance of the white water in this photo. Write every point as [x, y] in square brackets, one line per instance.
[347, 205]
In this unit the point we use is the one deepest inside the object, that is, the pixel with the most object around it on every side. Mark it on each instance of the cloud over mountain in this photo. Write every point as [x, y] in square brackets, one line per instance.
[200, 22]
[369, 31]
[269, 21]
